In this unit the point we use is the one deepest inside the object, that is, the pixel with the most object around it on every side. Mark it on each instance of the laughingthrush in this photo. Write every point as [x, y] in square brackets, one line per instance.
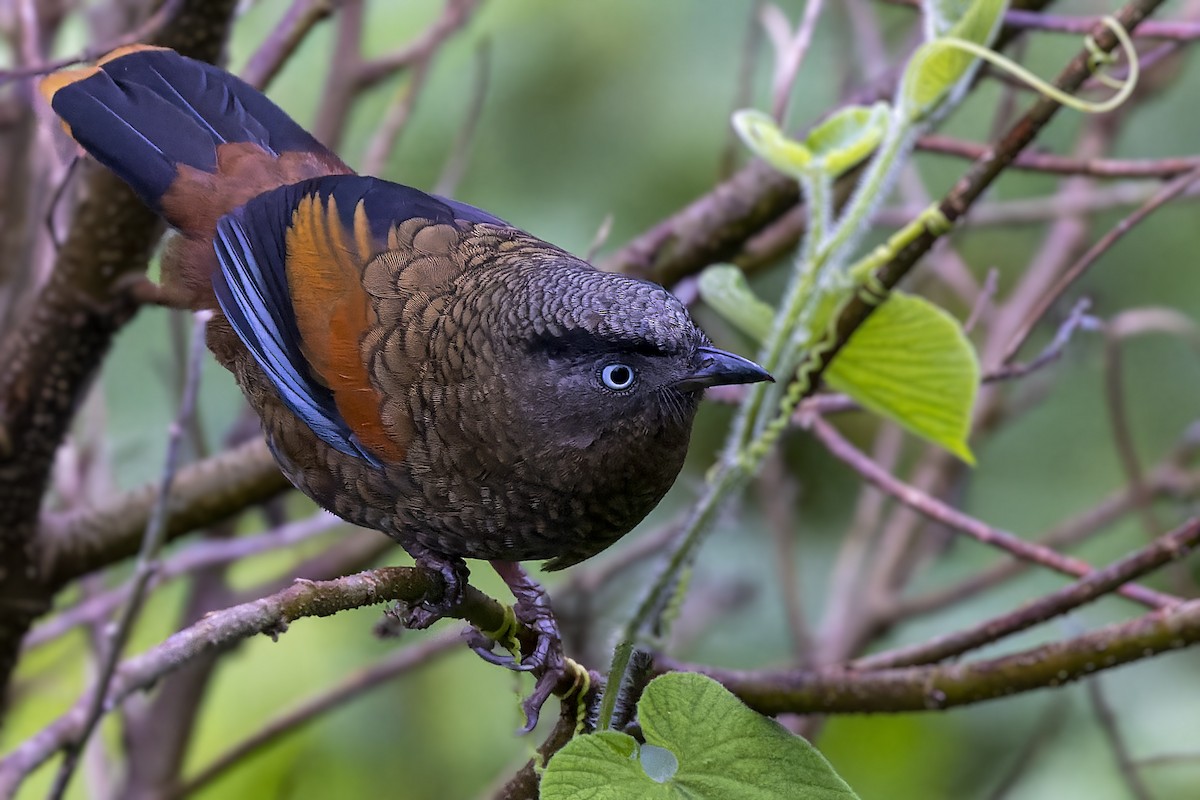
[420, 366]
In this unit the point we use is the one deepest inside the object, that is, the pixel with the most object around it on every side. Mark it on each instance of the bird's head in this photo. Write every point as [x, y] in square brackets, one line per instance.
[609, 357]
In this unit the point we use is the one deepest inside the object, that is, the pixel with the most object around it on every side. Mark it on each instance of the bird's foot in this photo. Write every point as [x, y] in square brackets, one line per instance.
[454, 574]
[545, 660]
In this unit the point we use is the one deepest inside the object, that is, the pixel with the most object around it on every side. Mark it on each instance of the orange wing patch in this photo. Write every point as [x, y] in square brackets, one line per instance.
[334, 314]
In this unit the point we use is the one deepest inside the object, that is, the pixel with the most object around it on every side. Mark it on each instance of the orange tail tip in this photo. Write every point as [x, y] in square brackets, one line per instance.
[125, 50]
[56, 81]
[192, 140]
[52, 83]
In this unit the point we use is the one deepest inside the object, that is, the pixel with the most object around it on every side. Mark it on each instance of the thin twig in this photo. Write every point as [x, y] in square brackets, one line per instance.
[417, 57]
[1160, 198]
[1033, 745]
[1076, 320]
[350, 74]
[147, 560]
[1118, 416]
[1174, 30]
[1126, 767]
[202, 554]
[1164, 550]
[340, 89]
[222, 629]
[455, 14]
[460, 151]
[790, 50]
[1167, 479]
[1083, 25]
[751, 45]
[942, 686]
[778, 494]
[386, 669]
[1039, 210]
[984, 303]
[298, 21]
[938, 511]
[165, 13]
[1066, 165]
[392, 125]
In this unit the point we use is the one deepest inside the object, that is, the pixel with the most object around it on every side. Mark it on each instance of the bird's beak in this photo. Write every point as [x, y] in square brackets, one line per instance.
[718, 367]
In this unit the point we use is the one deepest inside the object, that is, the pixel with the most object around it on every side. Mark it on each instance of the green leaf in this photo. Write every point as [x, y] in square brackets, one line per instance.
[847, 137]
[764, 138]
[912, 363]
[976, 20]
[938, 69]
[724, 288]
[832, 147]
[723, 751]
[940, 16]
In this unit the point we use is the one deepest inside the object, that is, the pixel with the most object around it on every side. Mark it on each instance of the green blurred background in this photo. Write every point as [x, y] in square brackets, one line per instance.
[622, 108]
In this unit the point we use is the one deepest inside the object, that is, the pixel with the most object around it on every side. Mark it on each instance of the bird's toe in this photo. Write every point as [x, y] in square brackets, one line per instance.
[437, 604]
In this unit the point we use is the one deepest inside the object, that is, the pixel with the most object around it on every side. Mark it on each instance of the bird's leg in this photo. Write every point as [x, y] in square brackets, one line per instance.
[546, 660]
[454, 573]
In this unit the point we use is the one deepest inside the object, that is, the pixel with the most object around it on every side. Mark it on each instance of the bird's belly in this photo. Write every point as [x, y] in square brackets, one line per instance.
[541, 509]
[506, 516]
[516, 517]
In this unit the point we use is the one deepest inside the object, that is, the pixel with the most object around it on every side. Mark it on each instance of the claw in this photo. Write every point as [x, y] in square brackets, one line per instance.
[532, 705]
[454, 574]
[546, 659]
[532, 608]
[484, 643]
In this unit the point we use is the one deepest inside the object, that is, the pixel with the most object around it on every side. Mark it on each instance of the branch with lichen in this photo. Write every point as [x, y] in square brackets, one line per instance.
[936, 688]
[271, 615]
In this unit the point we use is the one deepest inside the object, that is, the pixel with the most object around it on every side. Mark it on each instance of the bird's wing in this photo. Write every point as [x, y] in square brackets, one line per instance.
[291, 284]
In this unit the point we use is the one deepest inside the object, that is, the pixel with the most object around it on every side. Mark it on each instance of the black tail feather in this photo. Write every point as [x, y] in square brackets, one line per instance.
[143, 112]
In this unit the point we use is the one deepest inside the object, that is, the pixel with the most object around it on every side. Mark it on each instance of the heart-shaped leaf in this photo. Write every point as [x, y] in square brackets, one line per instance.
[721, 750]
[912, 363]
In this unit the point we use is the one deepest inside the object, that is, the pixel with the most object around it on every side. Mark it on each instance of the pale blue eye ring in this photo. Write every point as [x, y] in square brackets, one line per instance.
[617, 377]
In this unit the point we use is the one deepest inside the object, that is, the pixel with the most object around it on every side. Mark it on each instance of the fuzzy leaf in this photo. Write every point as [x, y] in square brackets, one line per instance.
[937, 70]
[722, 751]
[764, 138]
[912, 363]
[847, 137]
[832, 147]
[724, 288]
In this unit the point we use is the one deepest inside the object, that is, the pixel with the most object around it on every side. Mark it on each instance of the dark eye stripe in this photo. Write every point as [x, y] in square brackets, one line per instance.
[579, 342]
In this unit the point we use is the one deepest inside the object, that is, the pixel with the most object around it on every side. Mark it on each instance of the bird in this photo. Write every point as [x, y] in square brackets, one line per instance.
[420, 366]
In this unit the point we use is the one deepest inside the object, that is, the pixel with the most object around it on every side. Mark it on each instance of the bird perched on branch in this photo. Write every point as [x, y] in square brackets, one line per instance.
[420, 366]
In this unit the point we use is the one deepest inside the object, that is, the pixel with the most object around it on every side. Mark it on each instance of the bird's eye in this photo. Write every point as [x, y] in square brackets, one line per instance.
[617, 377]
